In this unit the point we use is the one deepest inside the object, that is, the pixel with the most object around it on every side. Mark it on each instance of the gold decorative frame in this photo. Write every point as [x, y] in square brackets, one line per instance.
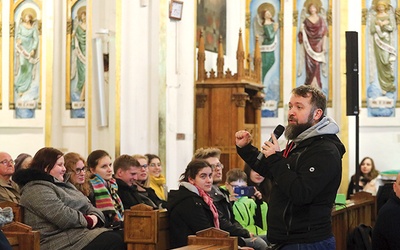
[16, 8]
[297, 17]
[250, 30]
[71, 12]
[364, 44]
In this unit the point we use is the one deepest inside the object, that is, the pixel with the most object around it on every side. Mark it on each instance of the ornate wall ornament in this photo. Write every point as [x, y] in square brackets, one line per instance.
[240, 99]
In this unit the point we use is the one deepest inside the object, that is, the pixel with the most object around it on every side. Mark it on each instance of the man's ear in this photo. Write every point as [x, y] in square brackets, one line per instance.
[318, 114]
[118, 173]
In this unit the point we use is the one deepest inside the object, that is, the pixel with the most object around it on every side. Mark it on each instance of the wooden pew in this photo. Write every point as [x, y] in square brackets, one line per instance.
[148, 229]
[361, 209]
[145, 228]
[19, 235]
[212, 238]
[17, 209]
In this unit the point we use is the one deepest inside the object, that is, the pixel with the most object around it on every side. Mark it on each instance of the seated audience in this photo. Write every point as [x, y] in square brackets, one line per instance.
[147, 194]
[9, 190]
[64, 216]
[368, 181]
[190, 207]
[156, 178]
[250, 212]
[105, 188]
[221, 200]
[76, 173]
[385, 234]
[262, 184]
[22, 161]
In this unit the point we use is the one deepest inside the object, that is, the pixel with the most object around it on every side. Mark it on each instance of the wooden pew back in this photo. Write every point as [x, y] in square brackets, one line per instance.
[145, 228]
[20, 236]
[215, 238]
[360, 210]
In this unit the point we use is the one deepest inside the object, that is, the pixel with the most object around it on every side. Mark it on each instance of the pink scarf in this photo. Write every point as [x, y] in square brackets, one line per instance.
[208, 200]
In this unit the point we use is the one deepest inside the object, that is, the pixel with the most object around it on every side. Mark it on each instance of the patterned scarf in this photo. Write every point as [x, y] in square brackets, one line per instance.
[209, 201]
[105, 193]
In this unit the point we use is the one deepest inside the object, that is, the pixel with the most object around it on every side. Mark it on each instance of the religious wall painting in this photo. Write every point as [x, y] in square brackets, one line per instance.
[25, 57]
[313, 34]
[76, 58]
[211, 19]
[265, 24]
[380, 58]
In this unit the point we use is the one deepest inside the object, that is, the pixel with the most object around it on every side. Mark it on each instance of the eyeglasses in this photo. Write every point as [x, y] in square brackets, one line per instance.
[155, 164]
[218, 165]
[143, 166]
[6, 162]
[80, 170]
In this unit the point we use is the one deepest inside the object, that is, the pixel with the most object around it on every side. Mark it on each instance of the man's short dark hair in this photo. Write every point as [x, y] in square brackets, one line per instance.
[124, 162]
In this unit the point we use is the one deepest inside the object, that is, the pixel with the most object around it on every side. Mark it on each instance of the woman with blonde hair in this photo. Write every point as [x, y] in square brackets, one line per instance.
[76, 172]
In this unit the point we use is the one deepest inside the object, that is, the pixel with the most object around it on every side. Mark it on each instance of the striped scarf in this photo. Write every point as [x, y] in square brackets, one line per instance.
[107, 199]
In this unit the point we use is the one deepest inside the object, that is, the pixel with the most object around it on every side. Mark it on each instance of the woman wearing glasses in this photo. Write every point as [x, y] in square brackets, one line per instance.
[64, 216]
[156, 178]
[76, 173]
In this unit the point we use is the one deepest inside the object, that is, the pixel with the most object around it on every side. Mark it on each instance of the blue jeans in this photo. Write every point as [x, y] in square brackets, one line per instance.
[328, 244]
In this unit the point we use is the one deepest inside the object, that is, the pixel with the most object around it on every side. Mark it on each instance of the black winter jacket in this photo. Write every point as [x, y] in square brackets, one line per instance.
[188, 214]
[304, 188]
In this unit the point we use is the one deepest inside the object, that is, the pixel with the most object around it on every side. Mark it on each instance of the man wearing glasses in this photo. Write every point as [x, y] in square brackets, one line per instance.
[9, 190]
[221, 201]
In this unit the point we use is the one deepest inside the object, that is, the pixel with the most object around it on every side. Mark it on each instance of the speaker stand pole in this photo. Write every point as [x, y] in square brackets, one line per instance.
[358, 170]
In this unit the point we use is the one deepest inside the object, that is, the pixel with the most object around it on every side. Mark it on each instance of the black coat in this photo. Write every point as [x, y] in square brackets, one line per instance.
[227, 220]
[130, 196]
[385, 234]
[188, 214]
[304, 188]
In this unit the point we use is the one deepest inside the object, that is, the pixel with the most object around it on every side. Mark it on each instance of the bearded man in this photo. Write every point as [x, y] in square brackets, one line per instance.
[305, 175]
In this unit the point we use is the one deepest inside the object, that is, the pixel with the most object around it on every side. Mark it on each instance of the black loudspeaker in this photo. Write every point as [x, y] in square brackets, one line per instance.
[352, 106]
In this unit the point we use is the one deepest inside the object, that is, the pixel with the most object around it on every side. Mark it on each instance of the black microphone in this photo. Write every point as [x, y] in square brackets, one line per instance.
[278, 131]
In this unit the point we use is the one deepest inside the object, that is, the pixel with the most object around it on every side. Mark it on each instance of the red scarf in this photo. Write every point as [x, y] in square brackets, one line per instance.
[208, 200]
[289, 147]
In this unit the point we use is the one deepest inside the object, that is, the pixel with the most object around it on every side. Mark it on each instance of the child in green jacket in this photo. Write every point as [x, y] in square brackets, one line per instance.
[250, 211]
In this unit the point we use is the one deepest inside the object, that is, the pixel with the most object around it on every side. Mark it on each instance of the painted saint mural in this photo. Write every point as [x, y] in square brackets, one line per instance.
[26, 60]
[78, 60]
[265, 26]
[381, 55]
[313, 45]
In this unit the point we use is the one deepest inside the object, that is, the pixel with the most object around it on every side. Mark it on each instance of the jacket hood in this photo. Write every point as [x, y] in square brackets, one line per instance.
[186, 190]
[24, 176]
[326, 128]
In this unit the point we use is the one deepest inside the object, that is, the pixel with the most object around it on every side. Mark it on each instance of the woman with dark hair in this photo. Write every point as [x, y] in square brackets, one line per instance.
[105, 188]
[76, 168]
[191, 208]
[368, 180]
[264, 185]
[64, 216]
